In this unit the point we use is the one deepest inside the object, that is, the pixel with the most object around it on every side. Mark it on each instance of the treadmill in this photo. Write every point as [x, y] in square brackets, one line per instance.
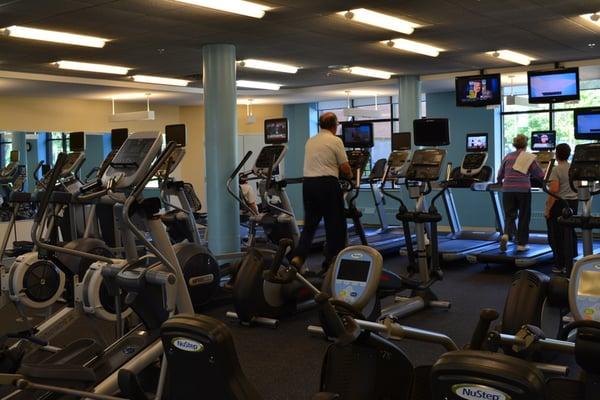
[456, 245]
[539, 251]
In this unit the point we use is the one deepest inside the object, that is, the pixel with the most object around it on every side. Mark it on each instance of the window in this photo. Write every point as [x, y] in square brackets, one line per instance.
[5, 147]
[519, 117]
[56, 143]
[383, 124]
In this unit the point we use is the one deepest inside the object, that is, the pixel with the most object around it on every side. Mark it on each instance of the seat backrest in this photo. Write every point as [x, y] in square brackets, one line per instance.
[470, 374]
[369, 368]
[202, 361]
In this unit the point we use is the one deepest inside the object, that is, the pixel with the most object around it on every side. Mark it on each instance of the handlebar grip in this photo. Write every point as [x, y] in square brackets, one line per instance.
[60, 161]
[486, 317]
[241, 164]
[160, 277]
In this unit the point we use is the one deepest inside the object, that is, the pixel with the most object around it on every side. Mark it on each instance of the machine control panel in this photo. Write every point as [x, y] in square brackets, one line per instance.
[356, 274]
[358, 160]
[133, 159]
[426, 165]
[269, 157]
[398, 163]
[584, 289]
[586, 163]
[473, 163]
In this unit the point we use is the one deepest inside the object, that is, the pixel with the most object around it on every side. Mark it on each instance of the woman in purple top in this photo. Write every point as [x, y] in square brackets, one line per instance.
[516, 195]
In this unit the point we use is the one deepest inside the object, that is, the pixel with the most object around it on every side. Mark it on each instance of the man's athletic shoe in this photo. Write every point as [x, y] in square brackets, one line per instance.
[522, 248]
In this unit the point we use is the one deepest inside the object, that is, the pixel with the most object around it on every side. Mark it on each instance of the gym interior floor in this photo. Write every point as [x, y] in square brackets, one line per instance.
[285, 363]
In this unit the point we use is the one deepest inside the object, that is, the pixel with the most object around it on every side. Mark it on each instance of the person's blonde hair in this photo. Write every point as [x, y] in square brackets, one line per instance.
[520, 141]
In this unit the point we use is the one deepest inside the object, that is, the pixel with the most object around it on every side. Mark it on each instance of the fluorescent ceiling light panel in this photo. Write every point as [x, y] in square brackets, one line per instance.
[89, 67]
[241, 7]
[373, 73]
[380, 20]
[268, 66]
[592, 17]
[160, 81]
[258, 85]
[54, 36]
[512, 56]
[413, 47]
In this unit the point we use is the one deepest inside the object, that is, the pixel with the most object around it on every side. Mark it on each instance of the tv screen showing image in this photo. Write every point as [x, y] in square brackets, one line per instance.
[431, 132]
[543, 140]
[478, 91]
[276, 131]
[118, 137]
[477, 142]
[400, 141]
[176, 133]
[357, 134]
[587, 123]
[76, 141]
[553, 86]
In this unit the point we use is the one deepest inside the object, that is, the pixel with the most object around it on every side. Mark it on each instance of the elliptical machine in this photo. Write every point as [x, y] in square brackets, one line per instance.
[425, 167]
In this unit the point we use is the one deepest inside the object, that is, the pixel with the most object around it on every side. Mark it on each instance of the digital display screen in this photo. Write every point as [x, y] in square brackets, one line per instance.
[14, 156]
[276, 131]
[589, 284]
[543, 140]
[477, 142]
[357, 134]
[133, 151]
[353, 270]
[477, 91]
[553, 86]
[176, 133]
[400, 141]
[587, 124]
[76, 141]
[431, 132]
[118, 137]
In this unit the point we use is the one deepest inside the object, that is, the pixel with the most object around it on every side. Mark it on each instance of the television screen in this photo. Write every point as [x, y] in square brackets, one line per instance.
[118, 137]
[431, 132]
[176, 133]
[14, 156]
[553, 86]
[477, 91]
[587, 123]
[276, 131]
[543, 140]
[400, 141]
[477, 142]
[357, 134]
[76, 141]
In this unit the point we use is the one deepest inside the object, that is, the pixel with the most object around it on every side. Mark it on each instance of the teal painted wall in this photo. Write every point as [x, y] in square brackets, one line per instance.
[94, 153]
[303, 121]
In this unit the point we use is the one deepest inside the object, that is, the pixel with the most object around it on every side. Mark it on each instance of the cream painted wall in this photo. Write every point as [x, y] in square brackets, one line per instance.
[30, 114]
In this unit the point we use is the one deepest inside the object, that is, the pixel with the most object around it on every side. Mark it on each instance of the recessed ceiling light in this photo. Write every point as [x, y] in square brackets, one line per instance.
[54, 36]
[414, 47]
[592, 17]
[512, 56]
[373, 73]
[268, 66]
[258, 85]
[241, 7]
[89, 67]
[380, 20]
[160, 80]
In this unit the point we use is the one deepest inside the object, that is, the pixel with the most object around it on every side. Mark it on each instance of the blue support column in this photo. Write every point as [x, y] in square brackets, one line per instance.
[409, 101]
[220, 127]
[303, 120]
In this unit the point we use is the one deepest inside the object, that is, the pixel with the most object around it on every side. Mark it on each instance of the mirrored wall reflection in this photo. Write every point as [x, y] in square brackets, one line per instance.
[25, 157]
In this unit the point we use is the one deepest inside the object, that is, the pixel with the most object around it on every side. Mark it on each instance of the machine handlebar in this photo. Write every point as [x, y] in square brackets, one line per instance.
[60, 161]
